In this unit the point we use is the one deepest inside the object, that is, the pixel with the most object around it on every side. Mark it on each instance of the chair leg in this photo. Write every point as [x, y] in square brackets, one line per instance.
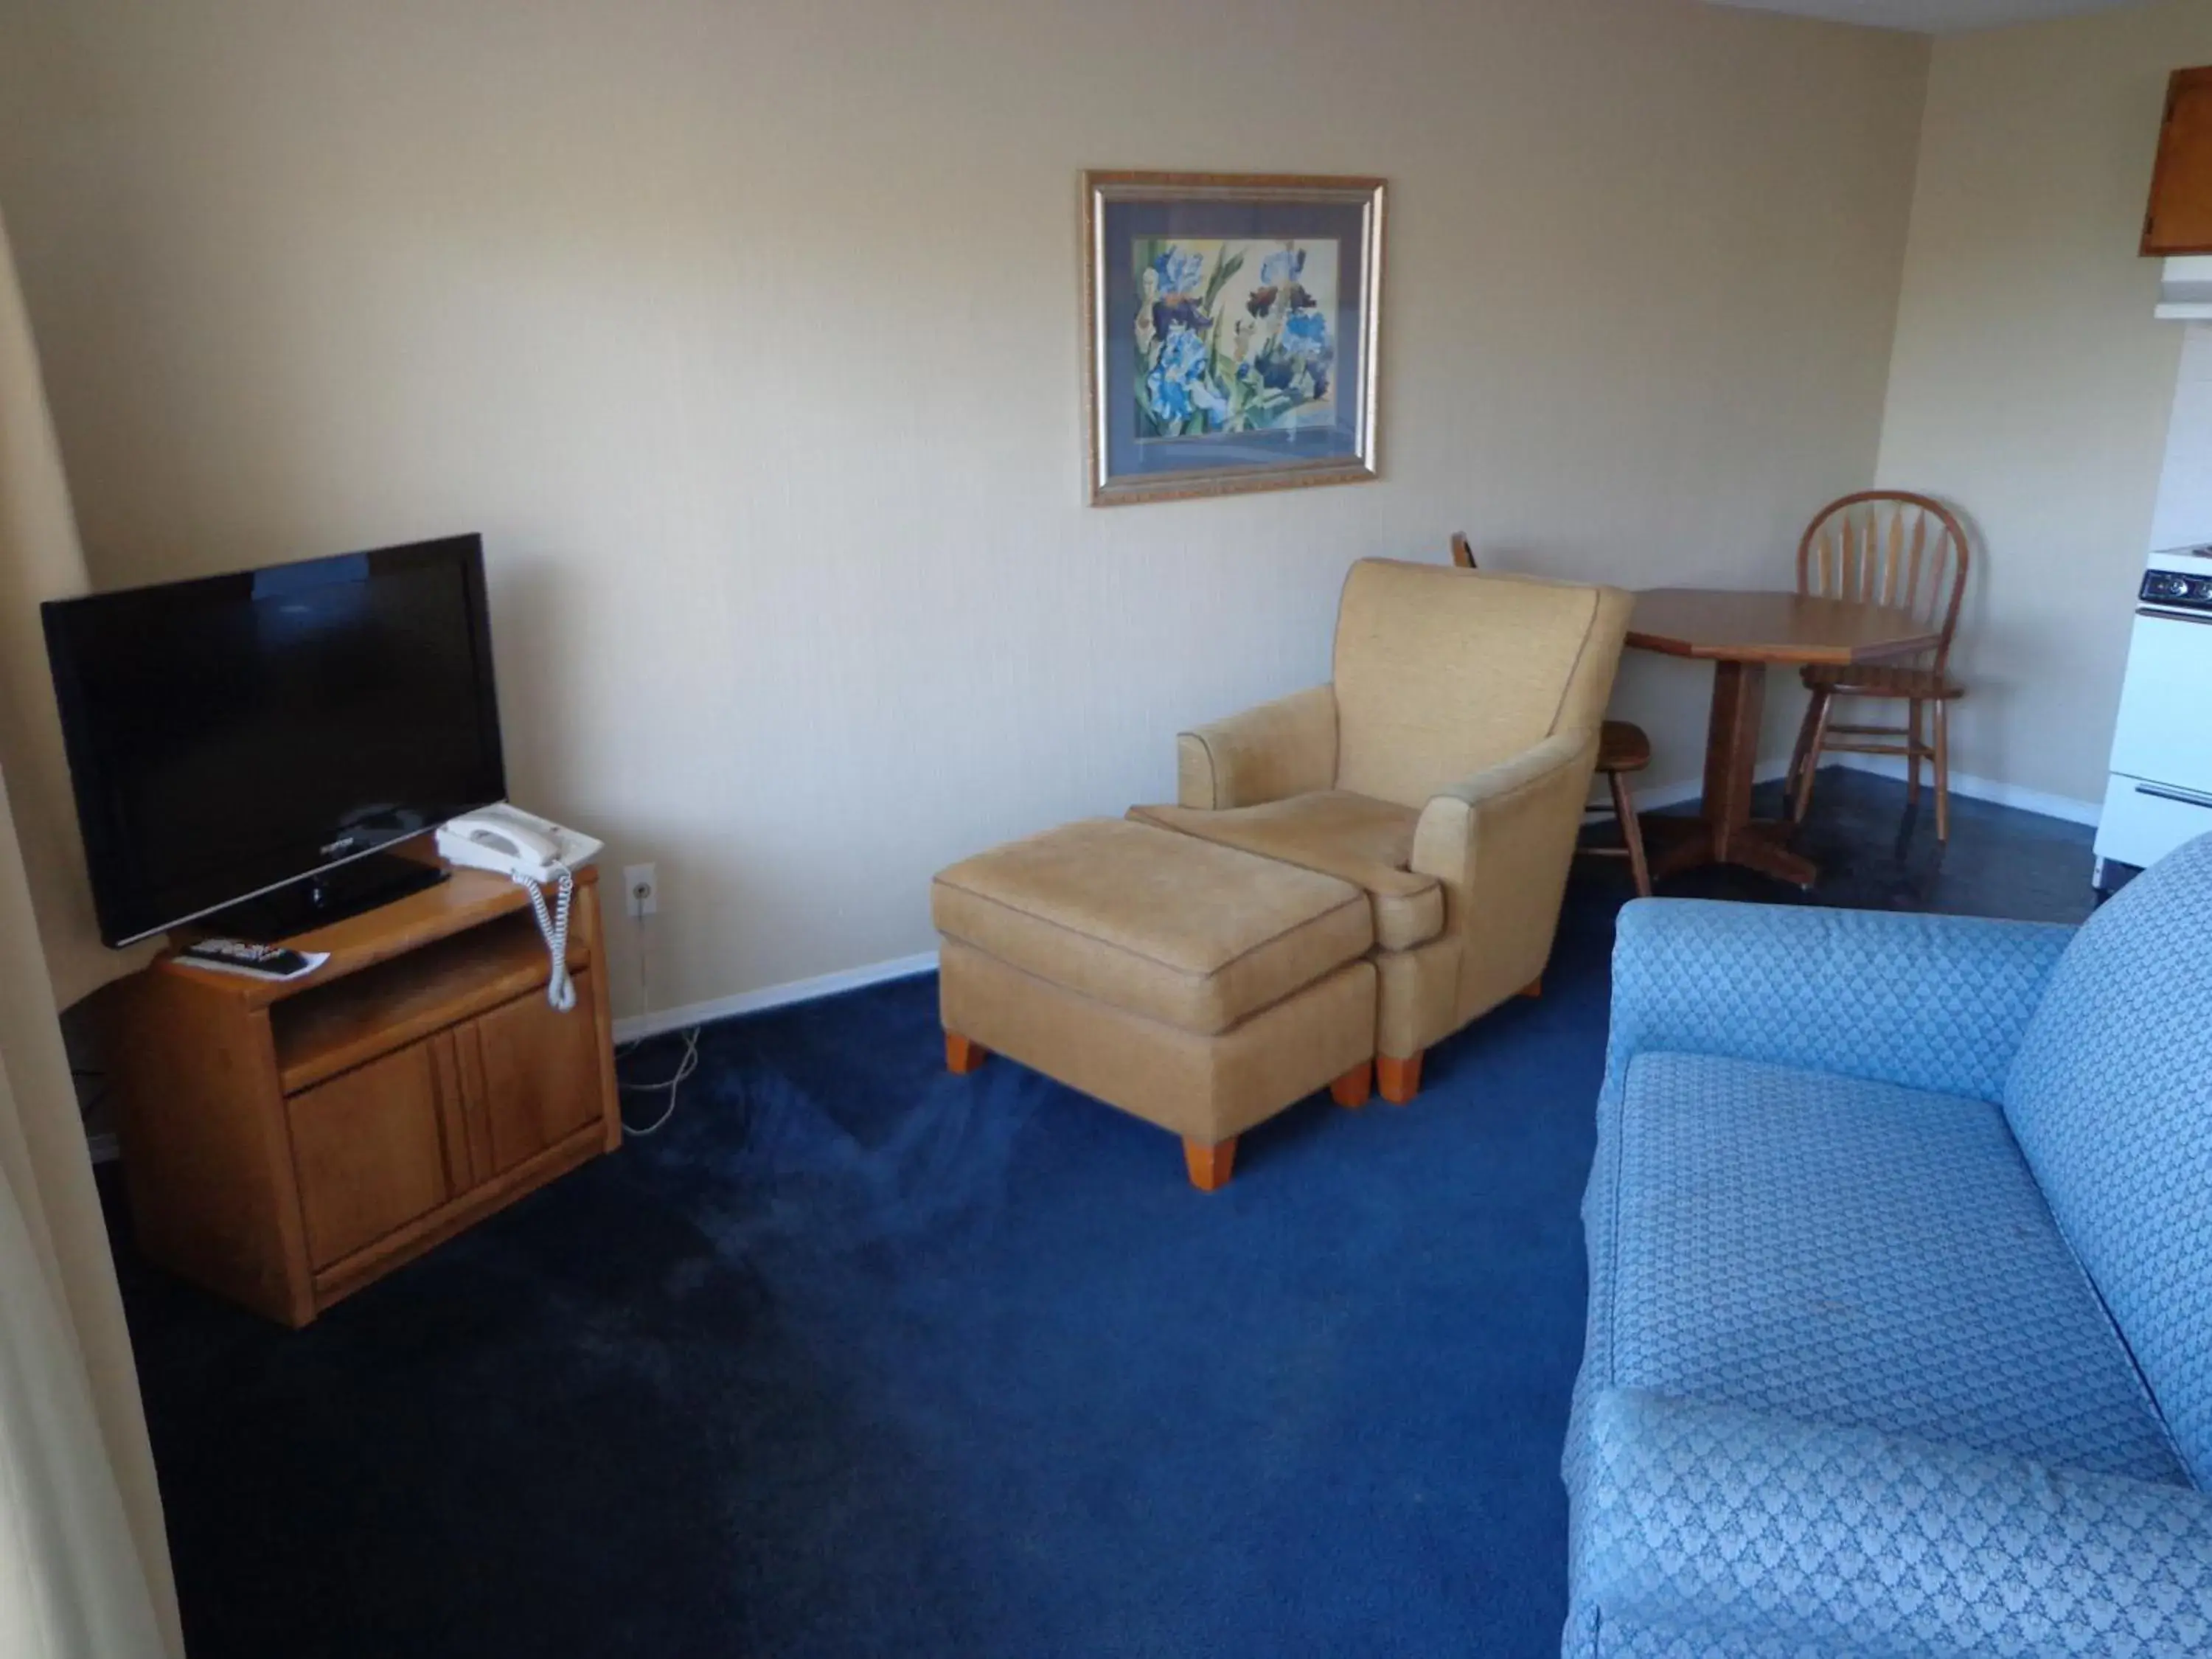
[1631, 833]
[1798, 750]
[962, 1054]
[1943, 770]
[1399, 1081]
[1211, 1166]
[1814, 735]
[1354, 1086]
[1913, 746]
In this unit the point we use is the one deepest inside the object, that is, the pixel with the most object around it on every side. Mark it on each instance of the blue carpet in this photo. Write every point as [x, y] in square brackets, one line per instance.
[857, 1358]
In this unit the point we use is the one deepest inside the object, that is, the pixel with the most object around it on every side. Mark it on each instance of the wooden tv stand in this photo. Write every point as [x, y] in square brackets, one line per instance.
[283, 1144]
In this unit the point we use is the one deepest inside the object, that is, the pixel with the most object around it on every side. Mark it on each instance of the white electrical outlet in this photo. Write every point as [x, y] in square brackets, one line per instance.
[642, 886]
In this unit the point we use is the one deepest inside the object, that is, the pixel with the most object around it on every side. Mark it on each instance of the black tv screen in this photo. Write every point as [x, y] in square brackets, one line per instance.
[233, 733]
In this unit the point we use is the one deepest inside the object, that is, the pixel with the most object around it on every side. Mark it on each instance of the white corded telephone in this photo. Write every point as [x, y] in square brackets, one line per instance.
[531, 851]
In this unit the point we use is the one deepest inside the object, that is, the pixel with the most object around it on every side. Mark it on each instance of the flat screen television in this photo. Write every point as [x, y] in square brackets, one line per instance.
[260, 737]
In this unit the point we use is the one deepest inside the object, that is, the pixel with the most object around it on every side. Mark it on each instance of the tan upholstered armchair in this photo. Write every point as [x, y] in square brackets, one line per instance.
[1443, 771]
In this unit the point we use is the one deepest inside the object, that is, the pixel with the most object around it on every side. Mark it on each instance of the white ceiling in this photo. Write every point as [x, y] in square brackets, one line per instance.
[1931, 16]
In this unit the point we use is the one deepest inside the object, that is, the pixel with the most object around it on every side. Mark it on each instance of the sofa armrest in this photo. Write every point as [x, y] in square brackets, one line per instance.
[1283, 748]
[1927, 1001]
[1733, 1529]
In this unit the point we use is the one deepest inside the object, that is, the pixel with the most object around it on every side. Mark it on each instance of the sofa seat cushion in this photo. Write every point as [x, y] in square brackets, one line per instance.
[1715, 1532]
[1863, 1256]
[1165, 925]
[1355, 838]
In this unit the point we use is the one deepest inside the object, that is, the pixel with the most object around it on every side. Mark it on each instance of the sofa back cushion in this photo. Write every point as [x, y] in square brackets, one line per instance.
[1441, 673]
[2111, 1099]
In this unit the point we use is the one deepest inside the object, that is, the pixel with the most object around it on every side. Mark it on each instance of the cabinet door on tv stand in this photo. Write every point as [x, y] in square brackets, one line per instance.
[369, 1152]
[538, 1074]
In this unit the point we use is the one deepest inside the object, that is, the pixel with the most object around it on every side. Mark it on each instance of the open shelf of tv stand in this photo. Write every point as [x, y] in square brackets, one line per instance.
[284, 1144]
[400, 1001]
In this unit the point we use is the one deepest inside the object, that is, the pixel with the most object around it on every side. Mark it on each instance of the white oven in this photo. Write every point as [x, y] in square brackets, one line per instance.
[2160, 794]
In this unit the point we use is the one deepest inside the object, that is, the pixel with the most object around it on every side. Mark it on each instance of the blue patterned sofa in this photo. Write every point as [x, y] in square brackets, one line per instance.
[1900, 1325]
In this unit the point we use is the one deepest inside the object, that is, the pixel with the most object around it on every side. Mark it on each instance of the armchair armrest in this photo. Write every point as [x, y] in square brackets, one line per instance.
[1927, 1001]
[1496, 784]
[1500, 843]
[1734, 1530]
[1473, 830]
[1283, 748]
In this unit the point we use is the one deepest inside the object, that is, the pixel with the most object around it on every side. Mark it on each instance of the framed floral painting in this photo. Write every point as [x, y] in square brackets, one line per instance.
[1230, 331]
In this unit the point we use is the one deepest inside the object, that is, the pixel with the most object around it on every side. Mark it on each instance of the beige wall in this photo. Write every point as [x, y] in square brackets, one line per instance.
[747, 335]
[2031, 384]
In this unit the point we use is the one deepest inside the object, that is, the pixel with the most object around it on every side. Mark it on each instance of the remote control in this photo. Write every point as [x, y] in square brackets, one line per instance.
[233, 955]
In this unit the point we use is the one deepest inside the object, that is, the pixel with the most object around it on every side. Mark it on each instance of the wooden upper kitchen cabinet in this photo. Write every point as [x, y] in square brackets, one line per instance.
[2180, 216]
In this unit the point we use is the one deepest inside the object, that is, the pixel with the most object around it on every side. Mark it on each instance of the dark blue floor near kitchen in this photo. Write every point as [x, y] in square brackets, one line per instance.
[856, 1357]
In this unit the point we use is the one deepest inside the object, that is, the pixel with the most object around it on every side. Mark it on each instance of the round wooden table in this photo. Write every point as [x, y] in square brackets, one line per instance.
[1741, 634]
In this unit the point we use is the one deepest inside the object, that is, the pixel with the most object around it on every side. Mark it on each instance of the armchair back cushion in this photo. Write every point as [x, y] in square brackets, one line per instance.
[2110, 1098]
[1441, 673]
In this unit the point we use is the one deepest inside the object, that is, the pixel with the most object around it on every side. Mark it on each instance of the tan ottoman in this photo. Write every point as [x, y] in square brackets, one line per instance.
[1199, 988]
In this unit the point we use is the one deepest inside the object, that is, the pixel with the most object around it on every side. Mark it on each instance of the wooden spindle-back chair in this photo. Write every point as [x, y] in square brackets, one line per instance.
[1892, 548]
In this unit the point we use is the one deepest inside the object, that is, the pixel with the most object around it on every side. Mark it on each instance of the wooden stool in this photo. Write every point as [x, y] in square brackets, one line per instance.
[1622, 748]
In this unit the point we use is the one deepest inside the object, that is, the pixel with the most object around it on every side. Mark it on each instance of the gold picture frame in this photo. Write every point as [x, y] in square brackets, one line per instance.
[1231, 332]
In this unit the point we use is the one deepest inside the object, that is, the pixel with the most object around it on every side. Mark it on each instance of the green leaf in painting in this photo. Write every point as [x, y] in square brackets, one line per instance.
[1222, 272]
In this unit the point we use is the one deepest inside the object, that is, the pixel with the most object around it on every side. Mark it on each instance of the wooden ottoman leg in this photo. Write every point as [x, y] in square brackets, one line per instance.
[1400, 1080]
[1209, 1166]
[1351, 1089]
[962, 1054]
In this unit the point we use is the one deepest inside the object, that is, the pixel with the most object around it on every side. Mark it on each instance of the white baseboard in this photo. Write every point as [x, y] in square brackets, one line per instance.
[660, 1020]
[1648, 799]
[1989, 789]
[1889, 766]
[1651, 797]
[772, 996]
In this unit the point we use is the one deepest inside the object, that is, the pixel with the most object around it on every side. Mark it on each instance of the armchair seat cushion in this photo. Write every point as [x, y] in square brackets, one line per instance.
[1355, 838]
[1860, 1254]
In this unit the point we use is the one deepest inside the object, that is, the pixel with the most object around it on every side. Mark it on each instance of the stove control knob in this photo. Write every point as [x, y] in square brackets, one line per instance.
[2160, 585]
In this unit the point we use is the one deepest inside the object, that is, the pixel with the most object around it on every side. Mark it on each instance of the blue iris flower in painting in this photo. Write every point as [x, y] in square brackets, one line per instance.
[1179, 270]
[1274, 370]
[1279, 268]
[1305, 334]
[1182, 311]
[1179, 383]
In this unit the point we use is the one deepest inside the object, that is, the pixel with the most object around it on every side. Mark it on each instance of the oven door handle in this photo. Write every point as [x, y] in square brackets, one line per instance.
[2168, 792]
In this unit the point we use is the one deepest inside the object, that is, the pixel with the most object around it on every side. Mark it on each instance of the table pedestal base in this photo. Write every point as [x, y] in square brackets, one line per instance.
[1760, 844]
[1727, 834]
